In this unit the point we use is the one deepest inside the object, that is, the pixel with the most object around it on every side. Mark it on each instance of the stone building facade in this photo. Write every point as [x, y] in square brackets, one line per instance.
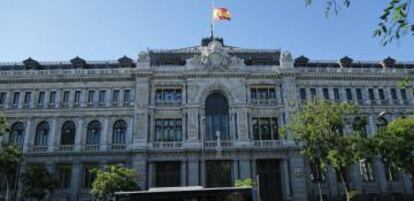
[200, 116]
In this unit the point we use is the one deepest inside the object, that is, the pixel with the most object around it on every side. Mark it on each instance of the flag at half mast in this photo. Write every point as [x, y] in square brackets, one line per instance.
[221, 14]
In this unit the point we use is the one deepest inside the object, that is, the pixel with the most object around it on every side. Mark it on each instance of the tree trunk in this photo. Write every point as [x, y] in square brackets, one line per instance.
[345, 183]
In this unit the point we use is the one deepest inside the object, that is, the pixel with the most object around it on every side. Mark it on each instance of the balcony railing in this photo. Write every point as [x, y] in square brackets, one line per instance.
[209, 144]
[118, 147]
[65, 148]
[167, 145]
[91, 147]
[264, 102]
[39, 148]
[272, 143]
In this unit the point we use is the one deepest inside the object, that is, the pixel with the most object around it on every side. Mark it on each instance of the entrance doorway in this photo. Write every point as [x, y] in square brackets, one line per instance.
[269, 180]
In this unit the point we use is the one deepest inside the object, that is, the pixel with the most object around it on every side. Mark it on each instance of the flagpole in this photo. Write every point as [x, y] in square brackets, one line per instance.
[213, 5]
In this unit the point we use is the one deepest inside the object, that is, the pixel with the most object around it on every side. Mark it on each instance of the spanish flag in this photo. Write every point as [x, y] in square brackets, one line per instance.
[221, 14]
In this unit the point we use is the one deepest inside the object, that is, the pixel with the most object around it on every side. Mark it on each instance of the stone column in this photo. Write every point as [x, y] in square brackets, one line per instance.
[245, 168]
[287, 191]
[80, 132]
[298, 178]
[193, 172]
[139, 164]
[52, 134]
[184, 173]
[142, 87]
[379, 174]
[243, 126]
[75, 180]
[235, 170]
[28, 135]
[151, 175]
[108, 95]
[105, 134]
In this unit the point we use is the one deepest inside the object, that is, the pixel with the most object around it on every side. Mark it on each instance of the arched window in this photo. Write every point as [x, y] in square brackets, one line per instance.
[119, 132]
[68, 132]
[17, 133]
[93, 135]
[42, 132]
[217, 114]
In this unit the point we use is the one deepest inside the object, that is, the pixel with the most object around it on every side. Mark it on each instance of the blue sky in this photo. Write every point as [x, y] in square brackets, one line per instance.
[50, 30]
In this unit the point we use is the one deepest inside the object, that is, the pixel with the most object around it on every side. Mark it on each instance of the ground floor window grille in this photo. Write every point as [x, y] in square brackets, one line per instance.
[167, 174]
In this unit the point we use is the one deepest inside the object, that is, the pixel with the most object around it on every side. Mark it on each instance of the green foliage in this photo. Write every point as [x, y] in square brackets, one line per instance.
[394, 20]
[37, 181]
[9, 160]
[113, 180]
[247, 182]
[395, 143]
[318, 129]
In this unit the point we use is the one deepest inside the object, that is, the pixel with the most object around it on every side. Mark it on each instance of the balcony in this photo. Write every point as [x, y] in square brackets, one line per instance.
[272, 143]
[91, 147]
[264, 102]
[167, 145]
[117, 147]
[65, 148]
[168, 103]
[39, 148]
[212, 144]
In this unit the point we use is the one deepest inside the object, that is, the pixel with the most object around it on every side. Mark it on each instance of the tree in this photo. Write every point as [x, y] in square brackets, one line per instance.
[37, 182]
[395, 144]
[9, 166]
[318, 129]
[113, 179]
[394, 21]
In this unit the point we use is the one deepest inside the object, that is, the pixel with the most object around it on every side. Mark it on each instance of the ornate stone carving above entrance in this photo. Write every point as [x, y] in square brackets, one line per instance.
[215, 56]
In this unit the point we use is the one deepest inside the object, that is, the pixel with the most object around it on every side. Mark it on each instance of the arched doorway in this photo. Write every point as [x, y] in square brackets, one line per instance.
[217, 117]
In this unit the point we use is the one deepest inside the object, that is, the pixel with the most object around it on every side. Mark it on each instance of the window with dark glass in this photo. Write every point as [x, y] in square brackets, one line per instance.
[348, 92]
[102, 95]
[42, 132]
[89, 175]
[168, 130]
[367, 171]
[263, 94]
[77, 97]
[52, 97]
[218, 174]
[313, 93]
[359, 94]
[325, 92]
[27, 97]
[91, 96]
[93, 134]
[167, 174]
[68, 133]
[127, 96]
[371, 94]
[381, 94]
[403, 94]
[302, 92]
[63, 175]
[391, 173]
[66, 97]
[41, 98]
[2, 98]
[17, 133]
[115, 96]
[336, 94]
[265, 128]
[168, 96]
[119, 132]
[394, 95]
[16, 98]
[217, 117]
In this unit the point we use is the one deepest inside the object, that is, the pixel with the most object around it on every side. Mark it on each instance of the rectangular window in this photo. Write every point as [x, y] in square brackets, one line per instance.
[115, 96]
[168, 96]
[325, 92]
[381, 94]
[77, 97]
[265, 128]
[168, 130]
[394, 94]
[218, 174]
[52, 97]
[371, 94]
[41, 98]
[27, 97]
[16, 98]
[3, 98]
[66, 97]
[263, 95]
[359, 94]
[403, 94]
[348, 92]
[88, 175]
[336, 94]
[313, 93]
[127, 96]
[367, 171]
[167, 174]
[64, 174]
[102, 95]
[91, 96]
[302, 92]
